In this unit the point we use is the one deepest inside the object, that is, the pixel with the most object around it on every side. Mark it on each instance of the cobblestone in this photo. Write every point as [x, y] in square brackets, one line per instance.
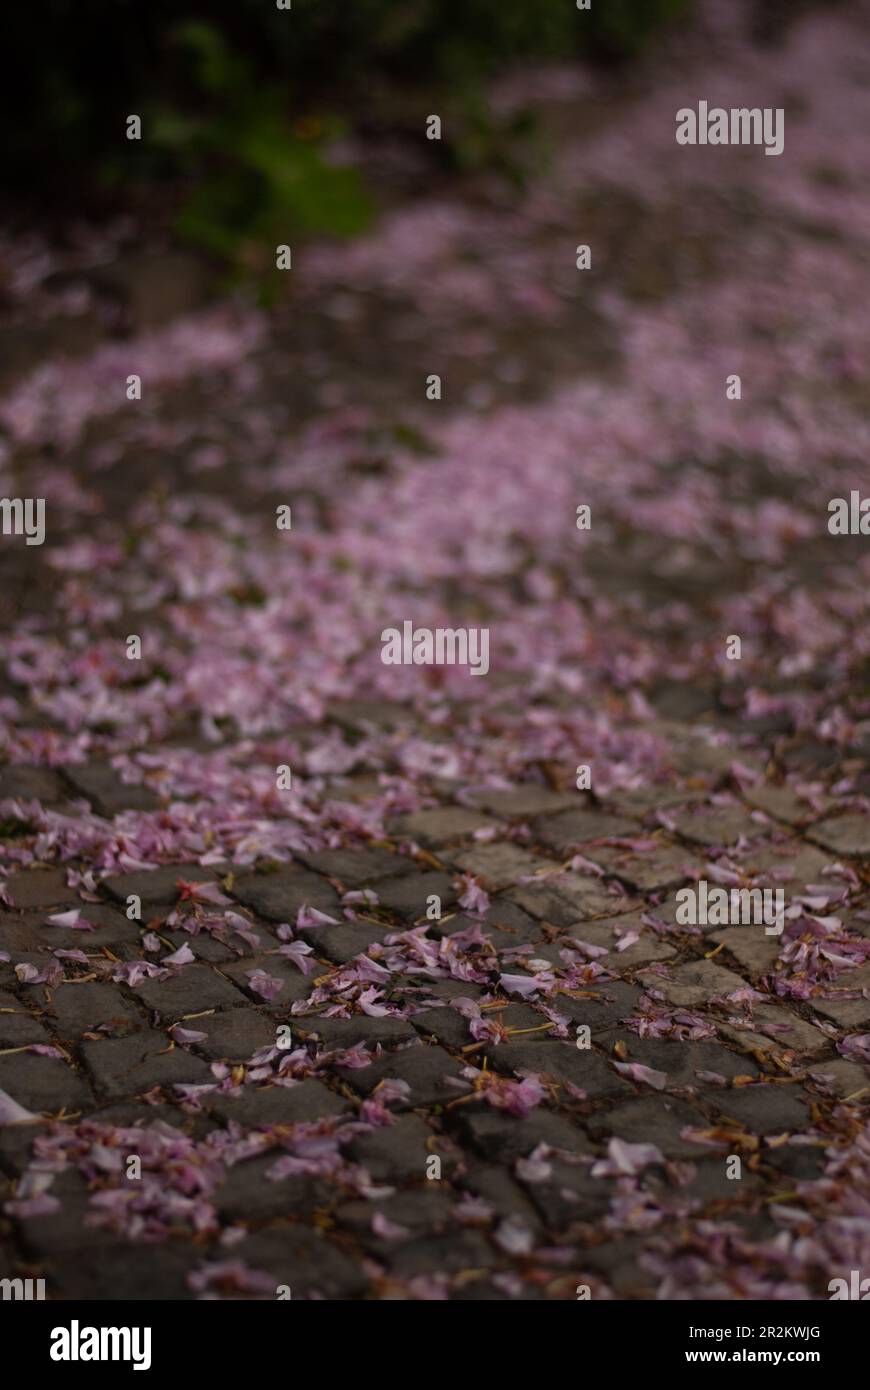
[279, 896]
[500, 865]
[100, 784]
[17, 1026]
[38, 888]
[504, 1138]
[346, 1032]
[39, 783]
[681, 1062]
[571, 829]
[81, 1008]
[453, 1254]
[657, 1121]
[157, 888]
[426, 1069]
[498, 1188]
[569, 1195]
[563, 901]
[343, 942]
[694, 983]
[130, 1065]
[195, 987]
[847, 1078]
[787, 1030]
[563, 1062]
[763, 1109]
[751, 948]
[42, 1084]
[305, 1261]
[441, 825]
[844, 835]
[235, 1034]
[397, 1153]
[259, 1106]
[293, 984]
[523, 803]
[664, 868]
[359, 868]
[407, 897]
[248, 1193]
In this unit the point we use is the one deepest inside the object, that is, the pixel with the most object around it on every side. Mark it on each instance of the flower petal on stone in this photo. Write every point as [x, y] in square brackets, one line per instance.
[267, 986]
[638, 1072]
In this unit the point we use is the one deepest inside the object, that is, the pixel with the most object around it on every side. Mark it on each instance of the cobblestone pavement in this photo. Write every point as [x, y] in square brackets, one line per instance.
[428, 1021]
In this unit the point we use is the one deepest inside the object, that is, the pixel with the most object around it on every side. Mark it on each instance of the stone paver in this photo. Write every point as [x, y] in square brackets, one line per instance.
[248, 1193]
[357, 868]
[694, 984]
[660, 868]
[651, 1120]
[562, 1062]
[234, 1034]
[844, 835]
[279, 896]
[847, 1078]
[17, 1025]
[601, 1006]
[764, 1109]
[503, 1138]
[195, 987]
[501, 865]
[100, 784]
[42, 1084]
[425, 1069]
[524, 802]
[408, 897]
[157, 888]
[342, 942]
[683, 1063]
[360, 1028]
[783, 1029]
[32, 931]
[81, 1008]
[441, 825]
[566, 899]
[131, 1065]
[397, 1153]
[305, 1261]
[41, 783]
[38, 888]
[720, 827]
[258, 1106]
[753, 950]
[571, 829]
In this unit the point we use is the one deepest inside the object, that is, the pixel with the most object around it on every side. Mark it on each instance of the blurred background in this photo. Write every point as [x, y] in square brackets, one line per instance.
[252, 114]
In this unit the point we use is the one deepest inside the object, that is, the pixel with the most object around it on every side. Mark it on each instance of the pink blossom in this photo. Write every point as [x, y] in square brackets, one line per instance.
[267, 986]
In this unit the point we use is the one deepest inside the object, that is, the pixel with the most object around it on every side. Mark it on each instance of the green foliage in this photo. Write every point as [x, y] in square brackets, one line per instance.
[227, 88]
[254, 181]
